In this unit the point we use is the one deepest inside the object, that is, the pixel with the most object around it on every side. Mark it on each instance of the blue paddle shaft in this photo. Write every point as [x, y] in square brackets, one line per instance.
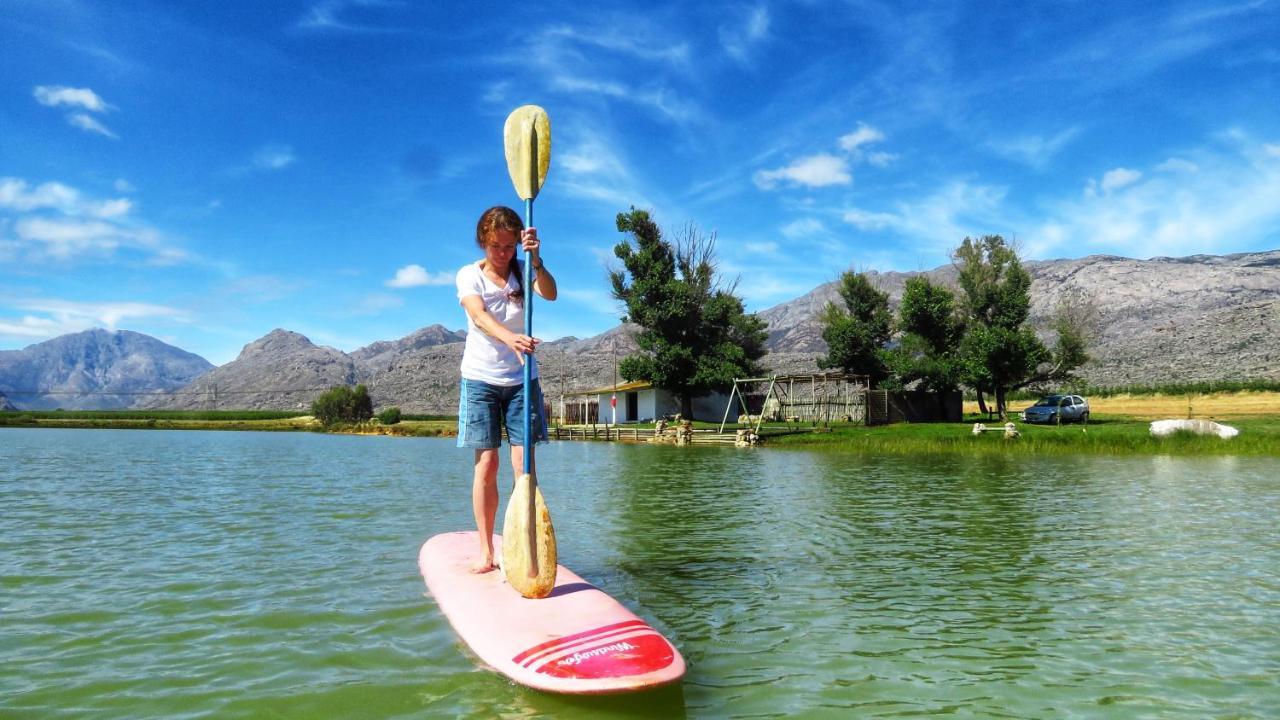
[528, 360]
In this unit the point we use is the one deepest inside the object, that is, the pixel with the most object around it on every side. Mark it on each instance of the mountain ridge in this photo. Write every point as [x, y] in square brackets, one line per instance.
[1203, 317]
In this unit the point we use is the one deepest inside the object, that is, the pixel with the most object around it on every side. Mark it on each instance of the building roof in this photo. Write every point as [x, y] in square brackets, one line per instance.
[621, 387]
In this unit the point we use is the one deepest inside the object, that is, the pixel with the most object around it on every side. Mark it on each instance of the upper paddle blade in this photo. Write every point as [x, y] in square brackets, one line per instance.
[527, 139]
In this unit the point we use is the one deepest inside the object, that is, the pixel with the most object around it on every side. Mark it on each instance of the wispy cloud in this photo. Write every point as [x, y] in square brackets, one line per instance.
[1218, 198]
[55, 221]
[350, 16]
[824, 169]
[83, 98]
[417, 276]
[626, 60]
[1227, 203]
[940, 220]
[274, 157]
[1112, 180]
[864, 135]
[740, 38]
[58, 95]
[1177, 165]
[47, 318]
[594, 170]
[614, 39]
[814, 171]
[1035, 151]
[804, 228]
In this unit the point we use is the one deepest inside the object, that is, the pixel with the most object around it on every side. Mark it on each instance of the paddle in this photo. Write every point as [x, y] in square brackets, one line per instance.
[528, 540]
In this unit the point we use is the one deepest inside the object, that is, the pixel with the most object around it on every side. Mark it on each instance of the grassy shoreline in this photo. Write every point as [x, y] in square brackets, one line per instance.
[217, 420]
[1106, 435]
[1119, 426]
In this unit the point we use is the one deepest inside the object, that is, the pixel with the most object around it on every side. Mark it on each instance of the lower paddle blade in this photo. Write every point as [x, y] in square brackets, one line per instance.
[529, 541]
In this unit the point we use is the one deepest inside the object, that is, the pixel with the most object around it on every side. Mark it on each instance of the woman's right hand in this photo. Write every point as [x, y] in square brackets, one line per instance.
[522, 345]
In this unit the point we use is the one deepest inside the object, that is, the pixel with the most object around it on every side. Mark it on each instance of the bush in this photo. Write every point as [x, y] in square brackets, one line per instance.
[343, 404]
[390, 416]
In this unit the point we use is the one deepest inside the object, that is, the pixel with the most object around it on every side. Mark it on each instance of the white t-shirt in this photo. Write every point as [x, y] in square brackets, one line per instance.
[485, 358]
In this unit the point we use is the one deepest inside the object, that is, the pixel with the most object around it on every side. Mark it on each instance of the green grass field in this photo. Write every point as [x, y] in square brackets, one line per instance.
[1103, 435]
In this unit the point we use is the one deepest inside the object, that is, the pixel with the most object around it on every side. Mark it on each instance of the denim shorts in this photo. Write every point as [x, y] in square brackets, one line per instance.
[483, 410]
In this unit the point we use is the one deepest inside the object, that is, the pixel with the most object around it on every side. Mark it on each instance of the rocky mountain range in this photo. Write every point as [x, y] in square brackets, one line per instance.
[94, 369]
[1204, 317]
[1158, 320]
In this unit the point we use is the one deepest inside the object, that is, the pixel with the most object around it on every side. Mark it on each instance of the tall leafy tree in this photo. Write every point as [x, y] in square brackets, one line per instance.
[857, 333]
[1075, 327]
[998, 352]
[928, 346]
[697, 335]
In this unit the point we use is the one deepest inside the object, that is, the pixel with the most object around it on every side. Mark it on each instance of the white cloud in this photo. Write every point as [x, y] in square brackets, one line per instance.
[804, 228]
[55, 221]
[814, 171]
[335, 16]
[417, 276]
[57, 95]
[824, 169]
[739, 39]
[90, 124]
[1272, 150]
[759, 247]
[1226, 205]
[1035, 151]
[48, 318]
[880, 159]
[274, 157]
[17, 194]
[636, 66]
[863, 135]
[1113, 180]
[627, 42]
[865, 220]
[942, 219]
[593, 170]
[82, 98]
[124, 186]
[1176, 165]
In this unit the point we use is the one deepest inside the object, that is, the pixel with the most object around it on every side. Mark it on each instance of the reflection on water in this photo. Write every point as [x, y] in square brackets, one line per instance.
[246, 575]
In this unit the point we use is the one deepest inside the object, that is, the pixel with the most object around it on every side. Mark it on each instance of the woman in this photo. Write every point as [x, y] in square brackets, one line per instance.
[491, 291]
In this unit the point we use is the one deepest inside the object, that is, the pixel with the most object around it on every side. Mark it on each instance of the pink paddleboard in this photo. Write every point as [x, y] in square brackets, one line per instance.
[578, 640]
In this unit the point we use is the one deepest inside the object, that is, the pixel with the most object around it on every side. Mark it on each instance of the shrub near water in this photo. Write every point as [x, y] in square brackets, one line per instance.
[390, 416]
[343, 404]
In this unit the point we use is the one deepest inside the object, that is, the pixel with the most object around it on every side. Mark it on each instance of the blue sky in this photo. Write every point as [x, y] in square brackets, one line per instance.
[206, 172]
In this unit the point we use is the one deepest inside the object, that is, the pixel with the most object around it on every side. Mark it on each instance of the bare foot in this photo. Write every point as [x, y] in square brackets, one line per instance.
[485, 565]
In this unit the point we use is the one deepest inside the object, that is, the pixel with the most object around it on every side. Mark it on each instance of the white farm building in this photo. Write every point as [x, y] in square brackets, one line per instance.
[636, 402]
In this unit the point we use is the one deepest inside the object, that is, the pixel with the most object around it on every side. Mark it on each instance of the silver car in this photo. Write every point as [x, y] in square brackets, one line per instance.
[1058, 409]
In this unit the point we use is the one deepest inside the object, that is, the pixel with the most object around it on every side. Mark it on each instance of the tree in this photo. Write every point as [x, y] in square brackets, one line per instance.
[928, 347]
[343, 404]
[1075, 326]
[857, 333]
[998, 353]
[696, 336]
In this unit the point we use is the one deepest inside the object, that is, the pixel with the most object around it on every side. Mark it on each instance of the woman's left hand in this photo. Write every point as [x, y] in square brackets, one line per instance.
[529, 241]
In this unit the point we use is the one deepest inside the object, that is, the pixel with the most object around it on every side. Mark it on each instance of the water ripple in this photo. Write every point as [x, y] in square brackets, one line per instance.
[166, 574]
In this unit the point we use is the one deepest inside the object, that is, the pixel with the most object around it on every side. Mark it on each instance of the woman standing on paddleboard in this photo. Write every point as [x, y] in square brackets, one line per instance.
[492, 293]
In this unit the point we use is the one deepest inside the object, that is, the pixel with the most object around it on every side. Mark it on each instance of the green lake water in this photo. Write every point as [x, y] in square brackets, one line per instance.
[254, 575]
